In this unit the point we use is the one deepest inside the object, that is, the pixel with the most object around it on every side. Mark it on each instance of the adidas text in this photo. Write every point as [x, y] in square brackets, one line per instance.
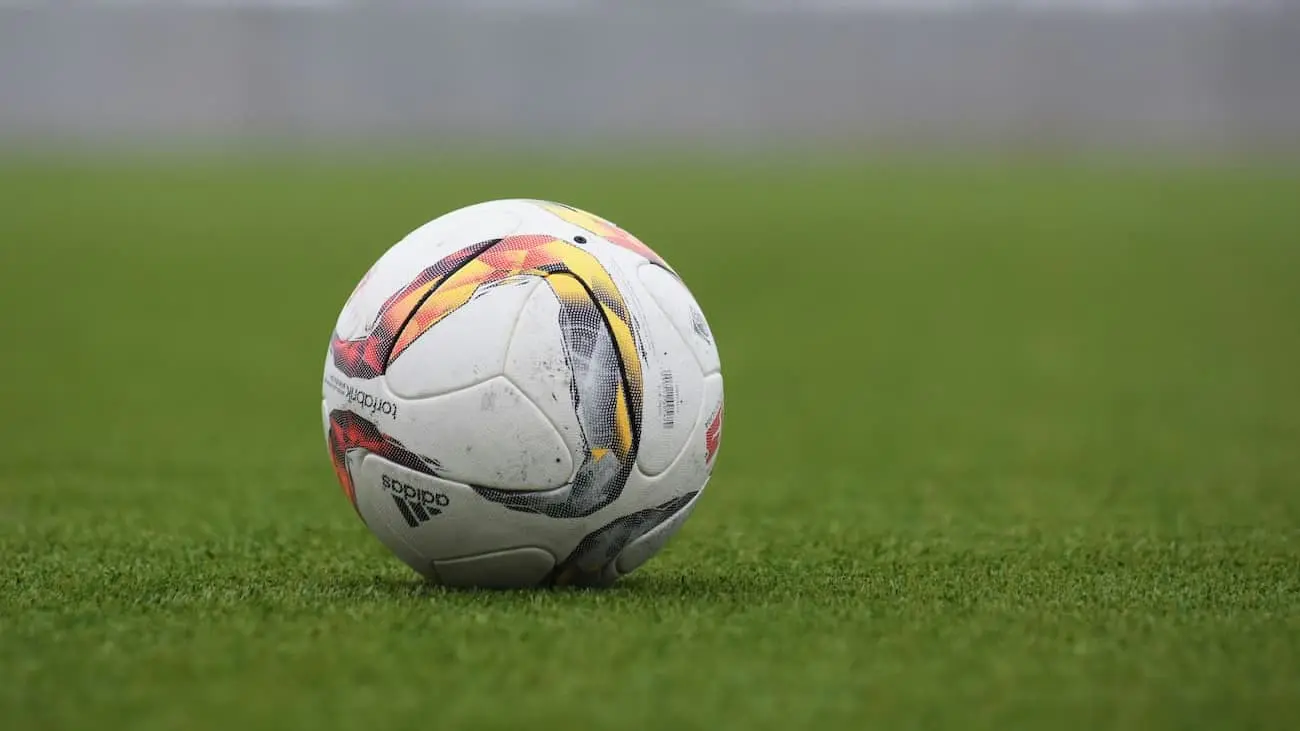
[416, 504]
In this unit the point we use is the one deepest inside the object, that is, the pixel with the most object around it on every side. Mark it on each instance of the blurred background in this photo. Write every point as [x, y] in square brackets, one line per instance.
[1192, 76]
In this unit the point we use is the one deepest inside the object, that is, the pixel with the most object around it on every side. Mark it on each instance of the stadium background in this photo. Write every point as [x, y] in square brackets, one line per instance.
[1076, 73]
[1006, 295]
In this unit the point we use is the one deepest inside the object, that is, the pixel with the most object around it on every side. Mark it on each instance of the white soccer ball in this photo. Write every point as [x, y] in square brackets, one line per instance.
[520, 393]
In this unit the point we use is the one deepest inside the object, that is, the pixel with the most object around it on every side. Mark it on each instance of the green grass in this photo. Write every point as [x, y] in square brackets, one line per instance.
[1007, 446]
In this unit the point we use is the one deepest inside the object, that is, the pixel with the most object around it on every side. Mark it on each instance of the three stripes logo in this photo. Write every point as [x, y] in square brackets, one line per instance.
[416, 505]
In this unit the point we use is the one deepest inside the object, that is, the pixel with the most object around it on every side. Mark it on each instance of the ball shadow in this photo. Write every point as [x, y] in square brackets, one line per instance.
[669, 586]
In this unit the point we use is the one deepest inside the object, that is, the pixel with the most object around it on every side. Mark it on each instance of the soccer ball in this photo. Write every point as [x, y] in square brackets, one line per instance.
[520, 393]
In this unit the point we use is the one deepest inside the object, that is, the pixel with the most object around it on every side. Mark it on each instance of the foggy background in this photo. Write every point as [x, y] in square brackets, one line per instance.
[1071, 75]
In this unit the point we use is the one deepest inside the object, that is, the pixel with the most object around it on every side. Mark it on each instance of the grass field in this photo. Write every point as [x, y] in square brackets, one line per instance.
[1023, 449]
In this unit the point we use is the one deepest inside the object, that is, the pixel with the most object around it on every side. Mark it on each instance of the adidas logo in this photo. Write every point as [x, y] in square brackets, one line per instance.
[417, 505]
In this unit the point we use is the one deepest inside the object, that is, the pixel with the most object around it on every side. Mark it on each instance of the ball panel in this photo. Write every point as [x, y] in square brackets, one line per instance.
[677, 302]
[452, 521]
[642, 549]
[538, 365]
[689, 472]
[592, 562]
[674, 386]
[653, 508]
[417, 251]
[350, 436]
[467, 347]
[488, 435]
[591, 225]
[379, 511]
[512, 568]
[566, 360]
[708, 440]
